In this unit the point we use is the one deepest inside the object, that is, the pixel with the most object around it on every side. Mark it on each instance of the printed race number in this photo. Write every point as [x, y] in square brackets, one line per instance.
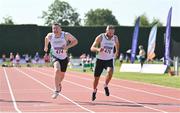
[58, 50]
[107, 51]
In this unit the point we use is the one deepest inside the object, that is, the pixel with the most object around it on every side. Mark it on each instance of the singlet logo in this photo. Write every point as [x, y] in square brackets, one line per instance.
[109, 43]
[57, 42]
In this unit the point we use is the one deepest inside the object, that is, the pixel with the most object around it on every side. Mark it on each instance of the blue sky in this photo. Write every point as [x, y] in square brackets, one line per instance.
[29, 11]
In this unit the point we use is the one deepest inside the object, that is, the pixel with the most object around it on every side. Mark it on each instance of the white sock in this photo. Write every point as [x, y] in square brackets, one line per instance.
[95, 90]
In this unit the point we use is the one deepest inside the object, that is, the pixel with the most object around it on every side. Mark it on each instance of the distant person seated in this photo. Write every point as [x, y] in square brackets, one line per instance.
[11, 58]
[4, 58]
[36, 57]
[83, 59]
[142, 55]
[27, 58]
[17, 60]
[128, 55]
[121, 58]
[70, 61]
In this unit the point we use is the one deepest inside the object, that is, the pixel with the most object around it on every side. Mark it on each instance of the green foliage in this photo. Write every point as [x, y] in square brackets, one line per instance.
[101, 17]
[61, 12]
[156, 21]
[8, 20]
[144, 21]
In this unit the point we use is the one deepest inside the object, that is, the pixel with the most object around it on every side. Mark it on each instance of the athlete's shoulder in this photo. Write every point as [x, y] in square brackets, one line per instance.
[66, 33]
[99, 37]
[49, 34]
[102, 34]
[115, 36]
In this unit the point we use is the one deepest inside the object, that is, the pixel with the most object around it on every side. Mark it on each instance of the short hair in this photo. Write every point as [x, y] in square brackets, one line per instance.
[56, 24]
[110, 27]
[140, 47]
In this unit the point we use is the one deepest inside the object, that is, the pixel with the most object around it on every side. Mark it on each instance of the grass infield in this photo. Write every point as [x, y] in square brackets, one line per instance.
[158, 79]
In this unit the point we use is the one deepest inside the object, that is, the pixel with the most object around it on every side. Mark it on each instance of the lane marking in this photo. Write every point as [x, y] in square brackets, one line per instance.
[103, 93]
[138, 82]
[29, 76]
[11, 92]
[120, 86]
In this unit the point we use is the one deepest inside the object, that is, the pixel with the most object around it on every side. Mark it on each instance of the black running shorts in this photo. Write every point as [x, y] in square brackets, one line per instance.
[63, 63]
[102, 64]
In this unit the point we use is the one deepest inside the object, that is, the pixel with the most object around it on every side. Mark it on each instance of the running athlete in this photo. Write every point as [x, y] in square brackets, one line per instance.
[60, 42]
[104, 44]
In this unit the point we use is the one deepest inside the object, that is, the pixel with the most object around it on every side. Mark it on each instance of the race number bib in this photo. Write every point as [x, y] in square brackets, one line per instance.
[58, 50]
[107, 49]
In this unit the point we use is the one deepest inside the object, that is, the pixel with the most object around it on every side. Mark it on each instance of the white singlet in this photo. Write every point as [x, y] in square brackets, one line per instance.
[57, 46]
[108, 46]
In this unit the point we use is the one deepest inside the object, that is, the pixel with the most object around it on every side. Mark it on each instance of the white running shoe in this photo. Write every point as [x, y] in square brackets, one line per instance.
[55, 94]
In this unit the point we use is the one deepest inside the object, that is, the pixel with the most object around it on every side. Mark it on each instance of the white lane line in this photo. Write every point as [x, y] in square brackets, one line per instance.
[138, 82]
[138, 90]
[11, 92]
[103, 93]
[29, 76]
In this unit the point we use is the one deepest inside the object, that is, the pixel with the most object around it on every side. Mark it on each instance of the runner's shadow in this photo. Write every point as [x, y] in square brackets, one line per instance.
[147, 103]
[125, 104]
[161, 104]
[25, 101]
[109, 103]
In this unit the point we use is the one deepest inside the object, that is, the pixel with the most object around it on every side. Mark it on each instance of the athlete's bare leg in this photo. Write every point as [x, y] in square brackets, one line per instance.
[95, 83]
[109, 75]
[59, 76]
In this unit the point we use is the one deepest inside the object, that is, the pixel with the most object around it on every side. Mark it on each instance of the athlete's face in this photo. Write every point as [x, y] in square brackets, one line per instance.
[56, 29]
[110, 32]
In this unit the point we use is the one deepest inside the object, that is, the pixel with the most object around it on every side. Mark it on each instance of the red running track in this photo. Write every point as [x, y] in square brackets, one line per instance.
[29, 90]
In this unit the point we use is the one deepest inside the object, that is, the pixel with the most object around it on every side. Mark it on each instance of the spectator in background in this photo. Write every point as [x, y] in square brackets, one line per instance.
[83, 59]
[36, 57]
[142, 55]
[17, 60]
[11, 58]
[121, 58]
[70, 61]
[4, 58]
[28, 60]
[128, 55]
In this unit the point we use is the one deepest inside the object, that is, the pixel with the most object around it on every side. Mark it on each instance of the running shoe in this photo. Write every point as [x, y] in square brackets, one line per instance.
[93, 96]
[106, 91]
[55, 94]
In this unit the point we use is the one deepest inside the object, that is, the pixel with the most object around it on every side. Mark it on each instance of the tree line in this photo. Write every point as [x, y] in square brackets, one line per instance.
[62, 12]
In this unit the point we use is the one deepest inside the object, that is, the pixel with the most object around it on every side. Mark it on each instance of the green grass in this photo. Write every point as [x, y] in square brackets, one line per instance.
[158, 79]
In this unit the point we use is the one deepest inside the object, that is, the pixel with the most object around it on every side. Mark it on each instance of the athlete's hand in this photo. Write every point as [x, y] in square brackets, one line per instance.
[100, 49]
[116, 54]
[45, 49]
[66, 49]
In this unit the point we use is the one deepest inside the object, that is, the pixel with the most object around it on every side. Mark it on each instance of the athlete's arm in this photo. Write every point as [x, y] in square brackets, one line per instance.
[72, 39]
[46, 42]
[116, 46]
[96, 43]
